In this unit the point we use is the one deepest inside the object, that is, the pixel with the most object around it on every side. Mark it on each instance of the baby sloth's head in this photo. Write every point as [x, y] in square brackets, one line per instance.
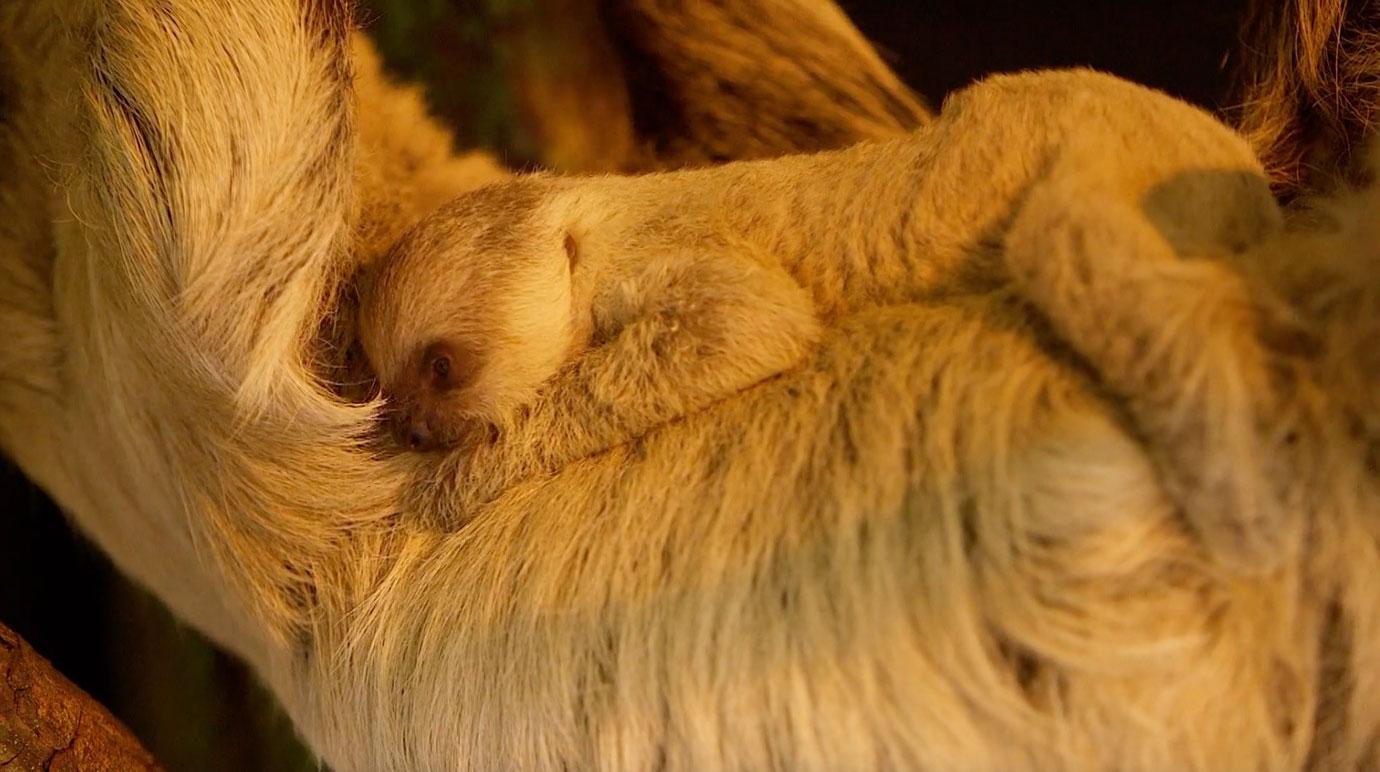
[469, 313]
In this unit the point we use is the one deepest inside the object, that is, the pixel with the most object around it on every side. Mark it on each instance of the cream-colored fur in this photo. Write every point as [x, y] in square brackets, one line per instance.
[950, 539]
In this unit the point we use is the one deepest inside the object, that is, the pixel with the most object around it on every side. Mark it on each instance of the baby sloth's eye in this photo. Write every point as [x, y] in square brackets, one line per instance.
[440, 367]
[447, 366]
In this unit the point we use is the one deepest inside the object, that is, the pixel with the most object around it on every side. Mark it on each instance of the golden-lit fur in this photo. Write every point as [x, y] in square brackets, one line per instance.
[958, 535]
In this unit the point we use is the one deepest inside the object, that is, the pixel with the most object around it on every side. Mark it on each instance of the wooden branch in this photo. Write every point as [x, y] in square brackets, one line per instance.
[47, 723]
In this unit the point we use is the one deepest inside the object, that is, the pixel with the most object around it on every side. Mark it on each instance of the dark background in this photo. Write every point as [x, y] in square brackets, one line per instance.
[936, 46]
[195, 708]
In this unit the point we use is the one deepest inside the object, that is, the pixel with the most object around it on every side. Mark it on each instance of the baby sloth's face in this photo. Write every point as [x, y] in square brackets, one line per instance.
[467, 316]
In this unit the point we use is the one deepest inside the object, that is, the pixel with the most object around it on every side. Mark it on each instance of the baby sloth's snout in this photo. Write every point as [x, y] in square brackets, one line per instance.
[420, 429]
[412, 429]
[416, 435]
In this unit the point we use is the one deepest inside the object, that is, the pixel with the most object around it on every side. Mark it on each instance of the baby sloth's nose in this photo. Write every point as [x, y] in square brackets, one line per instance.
[418, 436]
[413, 432]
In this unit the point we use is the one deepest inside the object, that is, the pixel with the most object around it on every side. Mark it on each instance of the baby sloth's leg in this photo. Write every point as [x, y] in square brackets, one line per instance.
[685, 331]
[1178, 341]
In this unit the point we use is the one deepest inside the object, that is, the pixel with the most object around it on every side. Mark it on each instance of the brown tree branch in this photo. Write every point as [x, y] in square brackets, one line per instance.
[47, 723]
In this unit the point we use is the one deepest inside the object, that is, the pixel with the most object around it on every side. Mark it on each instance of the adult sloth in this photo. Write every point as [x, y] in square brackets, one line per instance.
[936, 545]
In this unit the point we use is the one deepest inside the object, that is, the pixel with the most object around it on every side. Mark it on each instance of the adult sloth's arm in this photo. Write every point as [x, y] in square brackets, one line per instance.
[637, 84]
[742, 79]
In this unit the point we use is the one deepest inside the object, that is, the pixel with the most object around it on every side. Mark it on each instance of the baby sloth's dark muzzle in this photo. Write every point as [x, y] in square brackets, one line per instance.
[412, 430]
[415, 435]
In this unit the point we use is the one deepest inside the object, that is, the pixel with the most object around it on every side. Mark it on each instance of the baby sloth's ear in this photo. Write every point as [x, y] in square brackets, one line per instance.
[572, 249]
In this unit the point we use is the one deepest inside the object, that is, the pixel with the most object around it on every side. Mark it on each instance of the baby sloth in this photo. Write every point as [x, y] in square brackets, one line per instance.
[693, 285]
[482, 303]
[1115, 212]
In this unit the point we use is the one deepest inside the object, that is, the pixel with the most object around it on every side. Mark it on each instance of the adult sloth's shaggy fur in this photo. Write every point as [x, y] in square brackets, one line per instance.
[1308, 89]
[937, 545]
